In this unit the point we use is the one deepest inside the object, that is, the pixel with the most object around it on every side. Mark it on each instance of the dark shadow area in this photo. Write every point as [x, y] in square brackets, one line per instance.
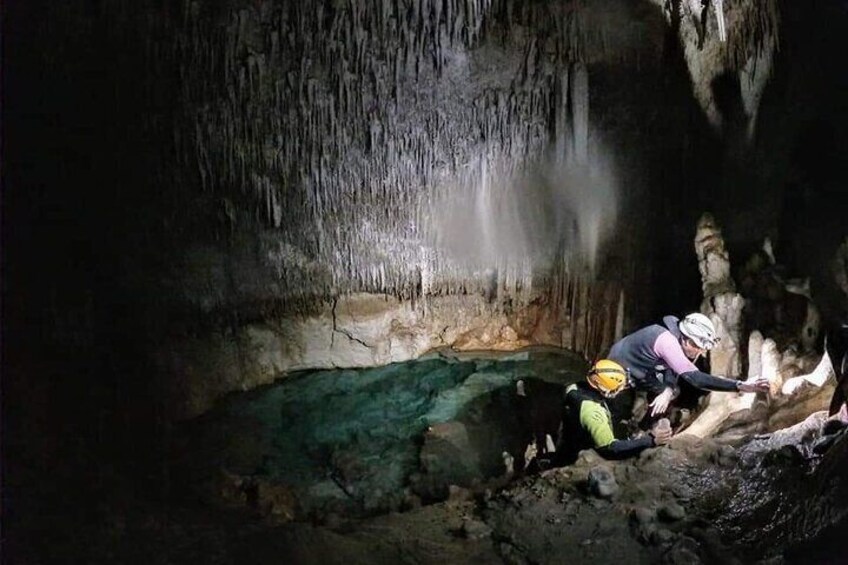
[727, 94]
[788, 183]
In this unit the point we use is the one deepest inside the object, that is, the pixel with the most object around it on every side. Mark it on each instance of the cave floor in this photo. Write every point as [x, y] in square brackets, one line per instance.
[689, 502]
[768, 499]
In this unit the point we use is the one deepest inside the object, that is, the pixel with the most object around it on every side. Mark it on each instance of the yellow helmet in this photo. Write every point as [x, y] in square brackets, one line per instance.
[607, 377]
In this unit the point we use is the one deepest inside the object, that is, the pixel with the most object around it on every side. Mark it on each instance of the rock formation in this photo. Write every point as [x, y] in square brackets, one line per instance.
[721, 301]
[799, 334]
[718, 37]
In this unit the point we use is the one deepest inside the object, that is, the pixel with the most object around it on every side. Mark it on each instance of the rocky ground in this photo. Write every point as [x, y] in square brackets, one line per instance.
[776, 499]
[693, 501]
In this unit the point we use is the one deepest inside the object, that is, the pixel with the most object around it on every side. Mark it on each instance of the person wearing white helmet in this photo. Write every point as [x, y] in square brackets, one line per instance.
[657, 356]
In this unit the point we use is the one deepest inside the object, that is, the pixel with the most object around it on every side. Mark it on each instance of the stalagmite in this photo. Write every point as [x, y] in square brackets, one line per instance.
[821, 374]
[713, 258]
[755, 348]
[724, 306]
[771, 364]
[727, 317]
[721, 302]
[720, 405]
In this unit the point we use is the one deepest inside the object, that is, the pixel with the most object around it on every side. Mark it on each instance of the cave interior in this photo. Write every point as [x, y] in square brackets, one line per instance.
[274, 272]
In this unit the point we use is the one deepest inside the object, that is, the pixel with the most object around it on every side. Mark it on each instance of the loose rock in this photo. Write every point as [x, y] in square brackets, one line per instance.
[602, 482]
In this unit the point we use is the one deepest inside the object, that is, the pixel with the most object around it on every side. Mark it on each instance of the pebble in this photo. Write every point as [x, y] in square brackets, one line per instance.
[475, 529]
[671, 512]
[642, 515]
[602, 482]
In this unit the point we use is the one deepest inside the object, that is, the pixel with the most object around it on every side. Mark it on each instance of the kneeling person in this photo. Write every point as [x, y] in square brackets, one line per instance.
[587, 422]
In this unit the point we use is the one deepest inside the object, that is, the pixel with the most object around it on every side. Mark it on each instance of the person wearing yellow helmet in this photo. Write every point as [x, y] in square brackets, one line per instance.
[607, 377]
[658, 355]
[587, 422]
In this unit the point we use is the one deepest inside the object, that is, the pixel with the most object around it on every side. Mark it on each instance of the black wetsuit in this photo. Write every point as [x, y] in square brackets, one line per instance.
[587, 424]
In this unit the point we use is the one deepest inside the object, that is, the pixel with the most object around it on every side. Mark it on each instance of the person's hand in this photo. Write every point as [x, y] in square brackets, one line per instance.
[661, 432]
[660, 404]
[662, 436]
[755, 384]
[792, 385]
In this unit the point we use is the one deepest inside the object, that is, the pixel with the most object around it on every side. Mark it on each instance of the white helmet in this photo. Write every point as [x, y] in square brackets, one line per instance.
[699, 329]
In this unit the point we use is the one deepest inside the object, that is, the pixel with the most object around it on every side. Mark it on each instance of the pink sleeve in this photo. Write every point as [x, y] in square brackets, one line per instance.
[668, 349]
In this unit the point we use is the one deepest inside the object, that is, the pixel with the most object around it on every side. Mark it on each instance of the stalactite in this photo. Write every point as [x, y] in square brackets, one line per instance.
[756, 30]
[332, 114]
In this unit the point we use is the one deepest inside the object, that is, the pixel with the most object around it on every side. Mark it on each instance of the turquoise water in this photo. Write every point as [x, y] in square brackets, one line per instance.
[352, 439]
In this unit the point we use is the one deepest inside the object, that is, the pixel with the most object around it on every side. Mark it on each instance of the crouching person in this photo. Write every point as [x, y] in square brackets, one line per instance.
[587, 422]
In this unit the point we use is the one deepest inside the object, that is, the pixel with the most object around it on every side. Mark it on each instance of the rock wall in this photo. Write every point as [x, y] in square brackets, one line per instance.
[441, 157]
[367, 330]
[729, 48]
